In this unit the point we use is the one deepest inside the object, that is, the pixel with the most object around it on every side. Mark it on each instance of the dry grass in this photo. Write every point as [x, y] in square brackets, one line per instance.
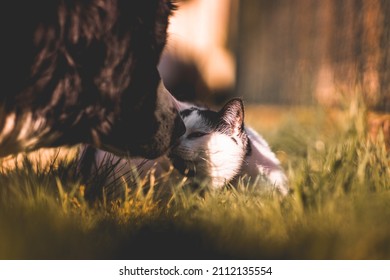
[340, 207]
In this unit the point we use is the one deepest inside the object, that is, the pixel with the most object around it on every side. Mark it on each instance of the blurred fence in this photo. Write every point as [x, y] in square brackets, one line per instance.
[280, 51]
[304, 51]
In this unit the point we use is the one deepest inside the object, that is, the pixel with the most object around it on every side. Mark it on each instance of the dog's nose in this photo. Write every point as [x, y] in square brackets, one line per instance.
[180, 128]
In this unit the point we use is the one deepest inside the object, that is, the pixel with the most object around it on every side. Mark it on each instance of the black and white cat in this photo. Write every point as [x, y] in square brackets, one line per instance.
[216, 149]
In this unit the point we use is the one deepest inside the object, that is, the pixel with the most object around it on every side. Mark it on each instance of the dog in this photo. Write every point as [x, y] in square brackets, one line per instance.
[85, 71]
[216, 149]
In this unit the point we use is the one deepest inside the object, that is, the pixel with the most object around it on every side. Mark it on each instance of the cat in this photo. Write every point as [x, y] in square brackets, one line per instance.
[216, 149]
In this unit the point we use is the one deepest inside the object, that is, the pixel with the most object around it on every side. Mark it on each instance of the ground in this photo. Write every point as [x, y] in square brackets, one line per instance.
[339, 207]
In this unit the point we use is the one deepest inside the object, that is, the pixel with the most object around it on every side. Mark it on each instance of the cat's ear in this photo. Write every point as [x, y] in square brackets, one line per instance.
[232, 115]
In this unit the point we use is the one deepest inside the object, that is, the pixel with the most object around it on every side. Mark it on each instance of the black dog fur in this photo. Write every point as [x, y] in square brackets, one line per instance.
[84, 71]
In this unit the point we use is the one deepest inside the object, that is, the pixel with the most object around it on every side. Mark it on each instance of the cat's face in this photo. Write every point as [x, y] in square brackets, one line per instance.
[214, 145]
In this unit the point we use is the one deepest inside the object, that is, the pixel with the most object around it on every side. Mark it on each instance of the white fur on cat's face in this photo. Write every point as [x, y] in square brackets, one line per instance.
[212, 149]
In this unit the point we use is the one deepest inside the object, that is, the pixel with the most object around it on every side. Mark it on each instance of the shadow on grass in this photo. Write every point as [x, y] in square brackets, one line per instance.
[339, 209]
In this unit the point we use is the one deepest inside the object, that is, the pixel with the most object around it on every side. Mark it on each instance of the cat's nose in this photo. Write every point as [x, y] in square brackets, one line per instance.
[174, 146]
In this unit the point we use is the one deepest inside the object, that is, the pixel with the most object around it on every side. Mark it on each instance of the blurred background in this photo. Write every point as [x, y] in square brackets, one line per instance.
[280, 52]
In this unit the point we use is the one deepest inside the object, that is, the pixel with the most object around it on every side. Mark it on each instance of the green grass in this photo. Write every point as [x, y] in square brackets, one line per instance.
[339, 208]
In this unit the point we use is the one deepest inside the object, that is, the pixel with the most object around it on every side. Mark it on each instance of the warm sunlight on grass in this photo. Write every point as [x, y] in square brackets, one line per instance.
[339, 208]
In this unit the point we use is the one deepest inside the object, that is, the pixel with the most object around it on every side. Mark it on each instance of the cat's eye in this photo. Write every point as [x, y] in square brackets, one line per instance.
[196, 134]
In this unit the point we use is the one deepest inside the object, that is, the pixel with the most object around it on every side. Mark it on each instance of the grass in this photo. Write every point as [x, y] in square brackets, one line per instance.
[339, 209]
